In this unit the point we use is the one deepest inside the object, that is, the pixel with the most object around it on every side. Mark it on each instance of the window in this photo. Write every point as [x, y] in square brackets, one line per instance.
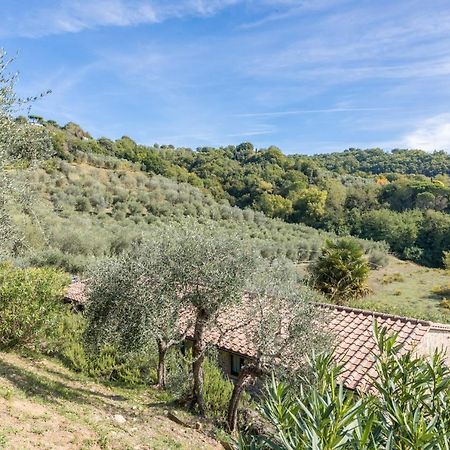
[236, 364]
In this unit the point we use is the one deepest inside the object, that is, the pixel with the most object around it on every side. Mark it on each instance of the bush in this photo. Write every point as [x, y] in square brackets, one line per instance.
[217, 388]
[108, 364]
[392, 278]
[409, 411]
[217, 391]
[442, 291]
[377, 259]
[341, 271]
[30, 305]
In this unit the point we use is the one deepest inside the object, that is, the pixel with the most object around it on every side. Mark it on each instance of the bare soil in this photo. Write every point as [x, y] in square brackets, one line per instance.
[43, 405]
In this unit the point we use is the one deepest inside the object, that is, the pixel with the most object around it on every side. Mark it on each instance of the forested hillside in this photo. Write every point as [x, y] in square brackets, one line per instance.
[375, 161]
[402, 198]
[96, 205]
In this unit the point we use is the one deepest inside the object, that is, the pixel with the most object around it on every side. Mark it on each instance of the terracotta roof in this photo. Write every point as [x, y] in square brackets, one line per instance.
[76, 293]
[355, 344]
[353, 329]
[229, 331]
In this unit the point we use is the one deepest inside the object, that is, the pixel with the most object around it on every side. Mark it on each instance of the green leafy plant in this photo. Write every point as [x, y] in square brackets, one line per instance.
[30, 305]
[407, 409]
[341, 271]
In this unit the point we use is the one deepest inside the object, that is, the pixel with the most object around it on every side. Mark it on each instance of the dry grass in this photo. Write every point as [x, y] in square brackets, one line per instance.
[44, 405]
[406, 288]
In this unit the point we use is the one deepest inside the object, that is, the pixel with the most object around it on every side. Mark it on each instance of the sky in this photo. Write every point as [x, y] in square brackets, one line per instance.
[307, 76]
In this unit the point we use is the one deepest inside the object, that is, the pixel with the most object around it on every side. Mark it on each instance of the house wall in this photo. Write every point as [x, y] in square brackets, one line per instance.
[436, 339]
[224, 359]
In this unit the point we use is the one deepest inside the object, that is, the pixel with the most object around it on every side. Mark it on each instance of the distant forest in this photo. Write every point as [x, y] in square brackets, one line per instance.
[400, 197]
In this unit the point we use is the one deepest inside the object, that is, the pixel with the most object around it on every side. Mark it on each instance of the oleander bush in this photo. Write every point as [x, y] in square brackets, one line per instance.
[409, 407]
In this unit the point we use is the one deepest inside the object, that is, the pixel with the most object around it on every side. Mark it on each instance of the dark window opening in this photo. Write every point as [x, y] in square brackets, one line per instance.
[237, 362]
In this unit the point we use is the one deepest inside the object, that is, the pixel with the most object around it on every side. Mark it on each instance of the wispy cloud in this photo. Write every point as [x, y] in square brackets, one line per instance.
[71, 16]
[432, 134]
[307, 111]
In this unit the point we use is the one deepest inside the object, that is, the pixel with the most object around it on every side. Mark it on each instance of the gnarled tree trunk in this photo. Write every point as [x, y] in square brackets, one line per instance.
[246, 377]
[198, 355]
[162, 373]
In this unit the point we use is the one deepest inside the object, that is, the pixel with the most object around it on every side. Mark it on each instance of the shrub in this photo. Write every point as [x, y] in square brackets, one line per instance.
[409, 411]
[413, 253]
[217, 391]
[108, 364]
[217, 388]
[442, 291]
[377, 259]
[444, 303]
[341, 271]
[30, 305]
[392, 278]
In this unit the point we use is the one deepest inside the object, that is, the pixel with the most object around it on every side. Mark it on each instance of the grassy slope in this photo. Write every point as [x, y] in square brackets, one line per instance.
[404, 287]
[44, 405]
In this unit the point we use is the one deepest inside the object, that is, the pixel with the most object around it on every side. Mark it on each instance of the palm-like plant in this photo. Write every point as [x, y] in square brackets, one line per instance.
[341, 271]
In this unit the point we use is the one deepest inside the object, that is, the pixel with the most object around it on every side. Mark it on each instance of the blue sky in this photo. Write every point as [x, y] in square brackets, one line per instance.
[308, 76]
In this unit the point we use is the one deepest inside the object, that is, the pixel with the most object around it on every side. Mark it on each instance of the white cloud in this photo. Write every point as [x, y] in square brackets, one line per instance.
[432, 134]
[71, 16]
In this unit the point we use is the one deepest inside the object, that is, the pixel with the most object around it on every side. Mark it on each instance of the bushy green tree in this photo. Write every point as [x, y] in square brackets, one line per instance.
[308, 204]
[30, 305]
[341, 271]
[273, 205]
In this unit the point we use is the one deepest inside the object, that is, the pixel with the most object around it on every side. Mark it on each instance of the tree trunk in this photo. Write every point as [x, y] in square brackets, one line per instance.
[245, 378]
[198, 355]
[162, 350]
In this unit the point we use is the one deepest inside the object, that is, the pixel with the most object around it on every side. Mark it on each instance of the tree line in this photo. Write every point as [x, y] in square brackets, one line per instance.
[402, 197]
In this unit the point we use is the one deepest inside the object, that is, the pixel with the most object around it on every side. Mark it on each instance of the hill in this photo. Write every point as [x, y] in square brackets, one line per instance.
[95, 207]
[402, 197]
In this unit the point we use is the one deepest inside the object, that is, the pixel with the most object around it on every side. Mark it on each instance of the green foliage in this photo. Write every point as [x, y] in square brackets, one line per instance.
[273, 205]
[30, 305]
[217, 388]
[409, 411]
[377, 259]
[134, 205]
[443, 291]
[217, 391]
[341, 271]
[308, 204]
[22, 144]
[376, 161]
[400, 230]
[108, 364]
[366, 193]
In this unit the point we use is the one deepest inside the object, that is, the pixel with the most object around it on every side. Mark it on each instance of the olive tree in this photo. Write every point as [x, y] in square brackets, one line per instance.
[211, 269]
[21, 145]
[280, 324]
[134, 302]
